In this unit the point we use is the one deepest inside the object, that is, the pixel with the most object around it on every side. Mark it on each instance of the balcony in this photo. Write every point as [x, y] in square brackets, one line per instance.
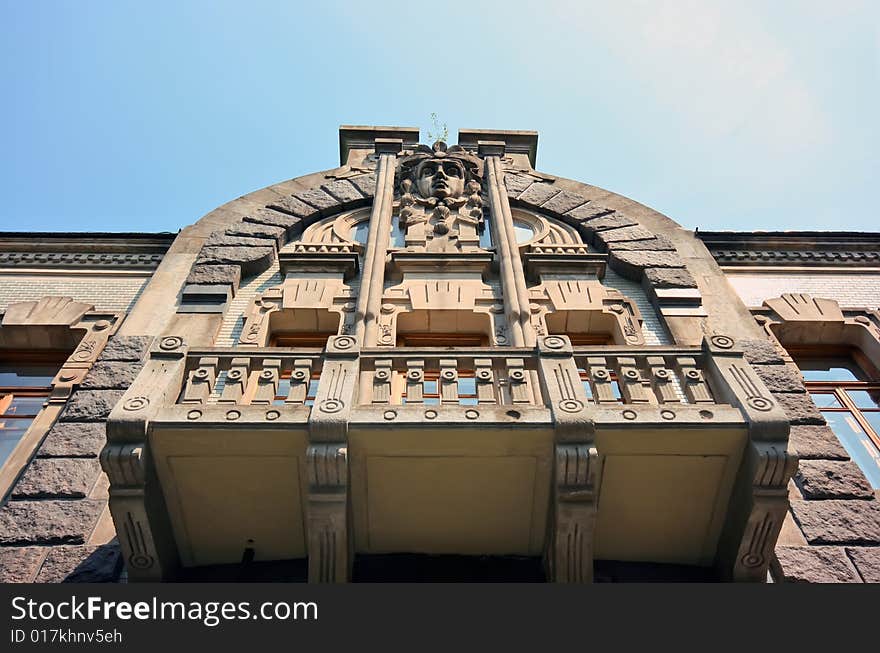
[463, 451]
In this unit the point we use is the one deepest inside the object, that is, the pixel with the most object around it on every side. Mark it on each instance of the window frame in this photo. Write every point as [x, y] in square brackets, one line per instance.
[840, 389]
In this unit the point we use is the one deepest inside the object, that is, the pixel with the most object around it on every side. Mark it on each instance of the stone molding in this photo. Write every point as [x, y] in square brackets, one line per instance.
[114, 260]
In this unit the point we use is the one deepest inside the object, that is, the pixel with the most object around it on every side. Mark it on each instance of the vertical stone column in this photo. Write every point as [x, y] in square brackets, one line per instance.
[327, 458]
[136, 501]
[373, 275]
[760, 498]
[513, 280]
[569, 550]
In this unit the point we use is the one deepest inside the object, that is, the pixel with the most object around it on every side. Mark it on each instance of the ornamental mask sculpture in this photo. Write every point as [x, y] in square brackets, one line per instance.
[440, 203]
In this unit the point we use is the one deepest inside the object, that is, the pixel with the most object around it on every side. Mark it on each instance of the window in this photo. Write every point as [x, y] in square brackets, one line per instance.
[846, 388]
[25, 383]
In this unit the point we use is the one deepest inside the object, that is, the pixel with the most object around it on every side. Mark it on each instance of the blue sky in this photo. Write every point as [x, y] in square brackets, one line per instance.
[133, 116]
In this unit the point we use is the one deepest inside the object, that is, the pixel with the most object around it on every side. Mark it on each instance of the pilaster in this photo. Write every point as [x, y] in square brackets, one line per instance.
[329, 543]
[760, 498]
[569, 550]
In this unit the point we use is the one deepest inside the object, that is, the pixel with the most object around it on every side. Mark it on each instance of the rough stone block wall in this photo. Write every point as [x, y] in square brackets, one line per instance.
[832, 532]
[850, 290]
[56, 525]
[106, 292]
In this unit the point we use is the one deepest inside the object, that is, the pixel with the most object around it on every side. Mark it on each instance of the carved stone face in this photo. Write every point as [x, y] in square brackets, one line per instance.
[440, 178]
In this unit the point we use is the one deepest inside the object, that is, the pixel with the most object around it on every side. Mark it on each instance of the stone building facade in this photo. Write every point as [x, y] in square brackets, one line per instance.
[437, 362]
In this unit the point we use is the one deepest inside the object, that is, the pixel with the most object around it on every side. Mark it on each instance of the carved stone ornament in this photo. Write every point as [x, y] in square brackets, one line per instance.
[441, 208]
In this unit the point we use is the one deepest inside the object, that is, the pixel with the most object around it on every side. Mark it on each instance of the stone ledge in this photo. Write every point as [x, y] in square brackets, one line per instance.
[252, 260]
[126, 348]
[20, 564]
[211, 275]
[809, 564]
[48, 522]
[91, 405]
[344, 192]
[255, 230]
[799, 408]
[832, 479]
[58, 478]
[867, 562]
[366, 184]
[835, 521]
[631, 264]
[810, 442]
[670, 278]
[563, 202]
[74, 440]
[81, 564]
[538, 193]
[319, 199]
[761, 352]
[111, 375]
[781, 378]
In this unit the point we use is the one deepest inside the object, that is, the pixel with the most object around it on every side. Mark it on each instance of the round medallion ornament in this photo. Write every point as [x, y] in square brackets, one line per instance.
[136, 403]
[169, 343]
[752, 560]
[661, 374]
[632, 375]
[414, 375]
[389, 414]
[233, 415]
[234, 375]
[448, 375]
[141, 561]
[382, 375]
[344, 342]
[601, 375]
[554, 342]
[667, 414]
[267, 374]
[722, 342]
[693, 375]
[760, 403]
[629, 414]
[472, 414]
[571, 405]
[194, 414]
[331, 406]
[67, 376]
[100, 325]
[430, 414]
[201, 374]
[484, 375]
[518, 376]
[272, 415]
[298, 375]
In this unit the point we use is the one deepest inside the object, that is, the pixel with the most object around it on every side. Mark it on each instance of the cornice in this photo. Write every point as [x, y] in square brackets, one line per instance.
[81, 251]
[793, 248]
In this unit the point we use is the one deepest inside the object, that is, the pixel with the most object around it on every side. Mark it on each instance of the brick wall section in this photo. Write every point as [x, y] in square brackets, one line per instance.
[47, 526]
[852, 290]
[106, 293]
[833, 506]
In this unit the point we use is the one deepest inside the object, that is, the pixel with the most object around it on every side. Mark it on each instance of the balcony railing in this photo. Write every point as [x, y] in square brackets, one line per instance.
[441, 376]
